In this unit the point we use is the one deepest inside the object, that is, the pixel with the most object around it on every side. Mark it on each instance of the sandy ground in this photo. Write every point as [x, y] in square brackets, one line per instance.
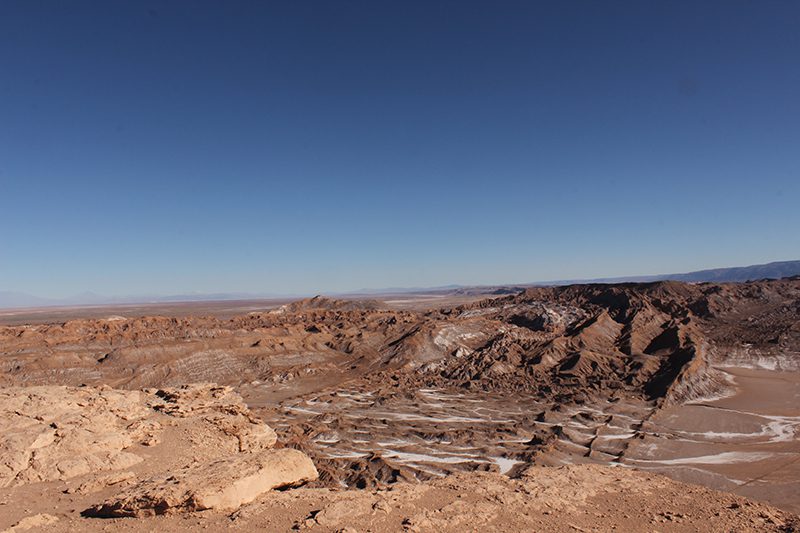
[747, 443]
[567, 499]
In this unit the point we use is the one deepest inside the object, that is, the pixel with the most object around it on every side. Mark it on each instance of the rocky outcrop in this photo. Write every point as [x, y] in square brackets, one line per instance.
[219, 406]
[57, 433]
[222, 485]
[194, 447]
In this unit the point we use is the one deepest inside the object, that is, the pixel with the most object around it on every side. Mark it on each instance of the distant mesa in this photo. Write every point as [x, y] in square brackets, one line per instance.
[329, 304]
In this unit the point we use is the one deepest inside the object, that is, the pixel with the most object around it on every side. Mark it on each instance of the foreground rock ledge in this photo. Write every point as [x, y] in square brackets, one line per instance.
[54, 433]
[222, 485]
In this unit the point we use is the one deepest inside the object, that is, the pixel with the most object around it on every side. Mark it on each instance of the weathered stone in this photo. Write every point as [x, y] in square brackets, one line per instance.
[57, 433]
[223, 485]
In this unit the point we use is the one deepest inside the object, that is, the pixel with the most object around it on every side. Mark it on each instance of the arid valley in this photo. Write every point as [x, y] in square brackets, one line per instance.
[660, 406]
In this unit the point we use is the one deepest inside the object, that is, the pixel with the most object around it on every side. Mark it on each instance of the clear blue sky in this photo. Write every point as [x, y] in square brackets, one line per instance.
[299, 146]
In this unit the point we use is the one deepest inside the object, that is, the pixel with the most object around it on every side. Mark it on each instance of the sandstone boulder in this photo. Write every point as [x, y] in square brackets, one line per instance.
[222, 485]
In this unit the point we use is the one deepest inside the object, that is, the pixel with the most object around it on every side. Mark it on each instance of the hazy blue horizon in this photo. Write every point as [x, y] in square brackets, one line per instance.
[296, 148]
[91, 296]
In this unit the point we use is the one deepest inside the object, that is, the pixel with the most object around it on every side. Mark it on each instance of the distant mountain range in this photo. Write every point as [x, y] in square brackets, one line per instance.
[778, 269]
